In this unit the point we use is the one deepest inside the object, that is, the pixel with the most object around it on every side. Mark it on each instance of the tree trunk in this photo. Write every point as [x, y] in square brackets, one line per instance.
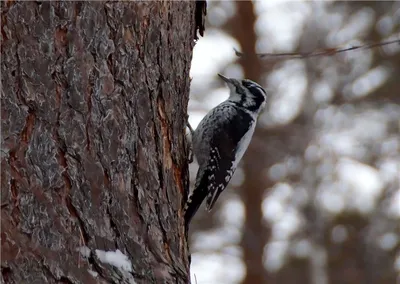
[255, 234]
[93, 158]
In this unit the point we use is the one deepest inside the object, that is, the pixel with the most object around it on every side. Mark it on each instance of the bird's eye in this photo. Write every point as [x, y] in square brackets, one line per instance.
[245, 83]
[240, 90]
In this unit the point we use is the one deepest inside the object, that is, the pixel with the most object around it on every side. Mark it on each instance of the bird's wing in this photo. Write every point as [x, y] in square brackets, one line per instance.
[223, 155]
[219, 161]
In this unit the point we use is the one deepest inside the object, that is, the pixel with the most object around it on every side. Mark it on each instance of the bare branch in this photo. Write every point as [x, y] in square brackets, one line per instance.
[321, 52]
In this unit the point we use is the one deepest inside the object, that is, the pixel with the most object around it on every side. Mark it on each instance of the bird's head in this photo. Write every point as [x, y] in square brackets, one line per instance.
[246, 93]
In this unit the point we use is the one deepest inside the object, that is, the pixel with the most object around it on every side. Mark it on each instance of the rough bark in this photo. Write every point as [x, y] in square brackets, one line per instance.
[94, 99]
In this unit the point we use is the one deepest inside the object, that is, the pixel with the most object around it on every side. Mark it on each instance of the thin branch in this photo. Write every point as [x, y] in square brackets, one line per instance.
[323, 52]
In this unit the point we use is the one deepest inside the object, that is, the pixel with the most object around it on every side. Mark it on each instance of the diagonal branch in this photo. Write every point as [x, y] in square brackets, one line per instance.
[321, 52]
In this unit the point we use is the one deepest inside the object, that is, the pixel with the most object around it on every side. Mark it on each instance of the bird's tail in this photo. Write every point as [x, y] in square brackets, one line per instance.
[196, 198]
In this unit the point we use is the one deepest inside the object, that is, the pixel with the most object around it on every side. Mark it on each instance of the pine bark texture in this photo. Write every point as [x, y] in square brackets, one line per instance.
[93, 107]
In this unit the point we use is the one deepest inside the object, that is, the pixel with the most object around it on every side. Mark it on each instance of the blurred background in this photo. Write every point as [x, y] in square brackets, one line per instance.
[317, 196]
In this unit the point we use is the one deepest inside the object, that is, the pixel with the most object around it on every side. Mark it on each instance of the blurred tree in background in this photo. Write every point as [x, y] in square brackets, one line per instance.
[317, 197]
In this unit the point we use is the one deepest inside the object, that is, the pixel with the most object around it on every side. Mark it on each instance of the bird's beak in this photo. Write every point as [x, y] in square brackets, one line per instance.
[227, 80]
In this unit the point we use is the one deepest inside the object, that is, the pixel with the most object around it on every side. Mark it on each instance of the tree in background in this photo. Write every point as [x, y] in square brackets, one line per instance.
[318, 197]
[94, 170]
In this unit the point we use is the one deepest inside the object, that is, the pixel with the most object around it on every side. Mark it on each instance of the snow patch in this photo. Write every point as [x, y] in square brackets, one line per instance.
[115, 258]
[93, 273]
[84, 250]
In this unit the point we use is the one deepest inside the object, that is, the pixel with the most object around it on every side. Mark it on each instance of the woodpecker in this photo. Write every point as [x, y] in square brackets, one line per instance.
[221, 139]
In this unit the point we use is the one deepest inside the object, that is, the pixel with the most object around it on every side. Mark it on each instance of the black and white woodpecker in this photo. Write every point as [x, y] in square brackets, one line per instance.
[221, 139]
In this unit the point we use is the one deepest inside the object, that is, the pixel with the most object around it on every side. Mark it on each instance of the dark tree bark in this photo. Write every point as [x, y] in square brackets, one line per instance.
[94, 99]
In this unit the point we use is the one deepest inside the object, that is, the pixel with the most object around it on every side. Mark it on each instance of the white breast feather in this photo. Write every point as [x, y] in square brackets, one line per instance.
[243, 144]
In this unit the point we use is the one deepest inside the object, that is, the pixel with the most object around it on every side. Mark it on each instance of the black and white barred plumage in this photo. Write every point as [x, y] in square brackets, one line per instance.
[221, 139]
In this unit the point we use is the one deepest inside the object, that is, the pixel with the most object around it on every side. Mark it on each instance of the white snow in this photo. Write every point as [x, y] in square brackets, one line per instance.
[84, 250]
[93, 273]
[115, 258]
